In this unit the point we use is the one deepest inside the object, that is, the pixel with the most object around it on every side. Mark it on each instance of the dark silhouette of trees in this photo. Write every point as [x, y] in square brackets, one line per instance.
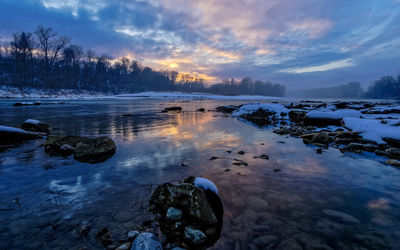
[46, 60]
[385, 88]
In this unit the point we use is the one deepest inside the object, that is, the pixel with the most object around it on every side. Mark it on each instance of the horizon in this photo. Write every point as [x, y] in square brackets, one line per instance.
[301, 45]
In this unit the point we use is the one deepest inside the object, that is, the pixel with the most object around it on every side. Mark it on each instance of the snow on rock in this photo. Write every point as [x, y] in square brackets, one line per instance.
[205, 184]
[372, 129]
[12, 130]
[339, 114]
[32, 121]
[253, 107]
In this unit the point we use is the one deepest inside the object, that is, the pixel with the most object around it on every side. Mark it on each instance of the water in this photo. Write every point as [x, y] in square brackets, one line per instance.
[44, 200]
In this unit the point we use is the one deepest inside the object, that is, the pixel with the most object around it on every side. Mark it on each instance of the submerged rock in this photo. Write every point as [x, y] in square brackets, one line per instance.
[191, 216]
[146, 241]
[297, 116]
[91, 150]
[340, 216]
[36, 126]
[177, 108]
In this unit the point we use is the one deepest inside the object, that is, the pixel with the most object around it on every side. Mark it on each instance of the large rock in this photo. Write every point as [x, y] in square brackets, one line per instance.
[146, 241]
[10, 135]
[191, 216]
[297, 116]
[91, 150]
[36, 126]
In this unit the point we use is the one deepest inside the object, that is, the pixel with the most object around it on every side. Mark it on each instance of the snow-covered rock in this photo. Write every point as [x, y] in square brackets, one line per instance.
[253, 107]
[205, 184]
[372, 129]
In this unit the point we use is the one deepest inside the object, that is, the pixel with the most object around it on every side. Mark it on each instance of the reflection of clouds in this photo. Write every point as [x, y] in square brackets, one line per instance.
[308, 166]
[64, 194]
[379, 204]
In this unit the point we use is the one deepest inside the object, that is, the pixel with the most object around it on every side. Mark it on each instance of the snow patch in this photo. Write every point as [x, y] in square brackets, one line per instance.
[372, 129]
[253, 107]
[205, 184]
[32, 121]
[12, 130]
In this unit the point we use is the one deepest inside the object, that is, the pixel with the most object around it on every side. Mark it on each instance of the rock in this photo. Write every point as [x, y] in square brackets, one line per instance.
[91, 150]
[365, 147]
[265, 241]
[297, 116]
[227, 109]
[191, 200]
[214, 158]
[393, 151]
[322, 137]
[10, 135]
[241, 152]
[277, 170]
[341, 105]
[344, 140]
[66, 150]
[392, 142]
[382, 153]
[104, 237]
[291, 244]
[322, 122]
[132, 235]
[95, 150]
[201, 110]
[146, 241]
[260, 117]
[35, 126]
[263, 156]
[172, 109]
[238, 162]
[173, 214]
[194, 235]
[340, 216]
[125, 246]
[393, 162]
[191, 212]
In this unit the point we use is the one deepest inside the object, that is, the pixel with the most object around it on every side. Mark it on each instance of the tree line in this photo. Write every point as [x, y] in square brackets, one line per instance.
[45, 60]
[385, 88]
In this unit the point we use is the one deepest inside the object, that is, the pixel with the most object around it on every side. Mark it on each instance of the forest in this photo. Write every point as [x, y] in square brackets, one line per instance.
[386, 87]
[45, 60]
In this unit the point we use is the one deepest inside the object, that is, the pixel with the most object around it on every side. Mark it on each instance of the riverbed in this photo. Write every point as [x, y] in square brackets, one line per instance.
[296, 199]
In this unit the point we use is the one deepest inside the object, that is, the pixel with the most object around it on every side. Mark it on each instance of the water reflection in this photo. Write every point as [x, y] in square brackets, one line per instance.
[57, 194]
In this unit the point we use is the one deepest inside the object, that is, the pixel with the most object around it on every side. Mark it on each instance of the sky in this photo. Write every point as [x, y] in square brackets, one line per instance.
[298, 43]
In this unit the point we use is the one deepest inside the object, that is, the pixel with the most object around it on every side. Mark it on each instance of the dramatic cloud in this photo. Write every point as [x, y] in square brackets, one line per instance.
[300, 43]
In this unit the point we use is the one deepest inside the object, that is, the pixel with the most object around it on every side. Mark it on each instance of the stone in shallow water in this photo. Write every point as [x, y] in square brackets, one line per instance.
[393, 162]
[132, 235]
[173, 214]
[340, 216]
[265, 241]
[194, 235]
[36, 126]
[146, 241]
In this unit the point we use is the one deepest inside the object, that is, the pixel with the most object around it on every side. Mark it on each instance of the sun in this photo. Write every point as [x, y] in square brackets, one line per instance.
[173, 65]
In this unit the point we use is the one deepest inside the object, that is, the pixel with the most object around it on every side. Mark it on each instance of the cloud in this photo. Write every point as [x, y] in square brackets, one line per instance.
[285, 41]
[325, 67]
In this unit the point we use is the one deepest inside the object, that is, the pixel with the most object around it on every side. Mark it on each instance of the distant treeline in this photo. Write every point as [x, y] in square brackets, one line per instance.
[385, 88]
[45, 60]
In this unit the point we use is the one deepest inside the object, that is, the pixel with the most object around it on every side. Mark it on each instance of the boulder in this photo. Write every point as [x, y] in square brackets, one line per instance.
[297, 116]
[392, 142]
[95, 150]
[227, 109]
[172, 109]
[190, 216]
[146, 241]
[36, 126]
[91, 150]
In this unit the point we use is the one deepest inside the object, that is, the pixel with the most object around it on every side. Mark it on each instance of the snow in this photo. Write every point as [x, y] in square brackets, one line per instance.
[205, 184]
[253, 107]
[339, 114]
[32, 121]
[372, 129]
[12, 130]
